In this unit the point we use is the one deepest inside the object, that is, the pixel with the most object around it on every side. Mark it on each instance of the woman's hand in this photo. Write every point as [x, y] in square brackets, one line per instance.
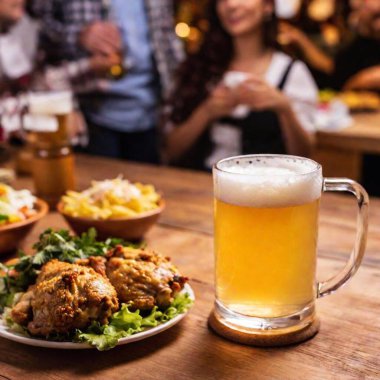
[260, 96]
[220, 103]
[179, 140]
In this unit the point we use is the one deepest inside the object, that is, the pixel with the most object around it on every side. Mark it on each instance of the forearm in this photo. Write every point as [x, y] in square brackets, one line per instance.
[63, 77]
[297, 141]
[181, 138]
[368, 79]
[316, 57]
[72, 70]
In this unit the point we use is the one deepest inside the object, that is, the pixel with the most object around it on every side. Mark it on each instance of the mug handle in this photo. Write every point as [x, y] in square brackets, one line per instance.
[347, 185]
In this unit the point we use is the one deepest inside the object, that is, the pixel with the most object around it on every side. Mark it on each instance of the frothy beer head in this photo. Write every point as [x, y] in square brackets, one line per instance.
[50, 103]
[267, 181]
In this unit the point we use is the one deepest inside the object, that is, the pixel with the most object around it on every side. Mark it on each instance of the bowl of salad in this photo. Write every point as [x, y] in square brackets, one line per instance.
[115, 207]
[19, 212]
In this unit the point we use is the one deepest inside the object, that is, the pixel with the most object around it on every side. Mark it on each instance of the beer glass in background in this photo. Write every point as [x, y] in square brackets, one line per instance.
[266, 228]
[53, 161]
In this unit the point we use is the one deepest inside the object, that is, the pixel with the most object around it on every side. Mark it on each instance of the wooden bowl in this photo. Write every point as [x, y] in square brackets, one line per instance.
[11, 235]
[133, 228]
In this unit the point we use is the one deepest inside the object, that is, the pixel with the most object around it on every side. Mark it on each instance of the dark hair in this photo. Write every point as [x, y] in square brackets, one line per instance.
[204, 69]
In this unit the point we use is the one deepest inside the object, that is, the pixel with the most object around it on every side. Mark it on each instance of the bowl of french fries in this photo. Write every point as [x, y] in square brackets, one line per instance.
[115, 208]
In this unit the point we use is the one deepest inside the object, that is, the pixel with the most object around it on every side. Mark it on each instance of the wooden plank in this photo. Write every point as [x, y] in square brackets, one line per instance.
[346, 348]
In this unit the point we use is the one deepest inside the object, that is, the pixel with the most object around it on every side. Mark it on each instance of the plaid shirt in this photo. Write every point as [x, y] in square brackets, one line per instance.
[62, 21]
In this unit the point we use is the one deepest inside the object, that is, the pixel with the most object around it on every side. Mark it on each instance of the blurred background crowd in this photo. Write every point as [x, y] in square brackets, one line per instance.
[188, 82]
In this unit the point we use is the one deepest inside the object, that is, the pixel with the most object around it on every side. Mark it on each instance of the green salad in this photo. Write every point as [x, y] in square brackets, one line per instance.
[62, 246]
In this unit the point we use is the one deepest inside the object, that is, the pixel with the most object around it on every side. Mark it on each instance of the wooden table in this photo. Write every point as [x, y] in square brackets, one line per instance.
[341, 152]
[347, 347]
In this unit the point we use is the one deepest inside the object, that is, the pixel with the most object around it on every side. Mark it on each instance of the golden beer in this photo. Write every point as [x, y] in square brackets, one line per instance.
[265, 258]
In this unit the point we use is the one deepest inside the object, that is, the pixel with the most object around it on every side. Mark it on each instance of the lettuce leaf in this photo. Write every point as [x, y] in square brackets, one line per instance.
[125, 323]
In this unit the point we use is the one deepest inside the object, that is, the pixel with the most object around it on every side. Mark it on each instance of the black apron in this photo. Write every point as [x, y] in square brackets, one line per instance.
[261, 133]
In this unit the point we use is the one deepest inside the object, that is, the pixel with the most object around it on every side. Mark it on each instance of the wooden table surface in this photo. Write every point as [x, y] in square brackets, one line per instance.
[363, 135]
[347, 347]
[341, 152]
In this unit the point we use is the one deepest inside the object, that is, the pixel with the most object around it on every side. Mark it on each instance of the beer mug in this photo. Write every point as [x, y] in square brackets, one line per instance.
[48, 114]
[266, 228]
[48, 121]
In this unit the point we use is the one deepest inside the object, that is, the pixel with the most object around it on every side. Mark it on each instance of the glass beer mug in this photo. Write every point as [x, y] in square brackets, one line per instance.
[53, 160]
[266, 228]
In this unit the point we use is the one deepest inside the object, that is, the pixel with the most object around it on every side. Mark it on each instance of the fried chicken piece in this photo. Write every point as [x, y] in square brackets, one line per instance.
[143, 278]
[65, 297]
[97, 263]
[52, 269]
[22, 311]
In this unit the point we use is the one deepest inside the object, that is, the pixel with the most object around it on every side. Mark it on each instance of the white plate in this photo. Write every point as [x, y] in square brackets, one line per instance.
[6, 333]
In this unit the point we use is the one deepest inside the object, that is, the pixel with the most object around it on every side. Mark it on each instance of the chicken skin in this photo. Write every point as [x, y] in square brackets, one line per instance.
[65, 297]
[143, 279]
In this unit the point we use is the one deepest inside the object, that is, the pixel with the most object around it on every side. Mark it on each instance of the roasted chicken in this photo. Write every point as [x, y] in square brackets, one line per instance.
[65, 297]
[143, 278]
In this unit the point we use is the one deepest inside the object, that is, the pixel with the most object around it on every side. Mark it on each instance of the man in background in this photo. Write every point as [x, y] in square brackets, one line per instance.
[21, 71]
[122, 112]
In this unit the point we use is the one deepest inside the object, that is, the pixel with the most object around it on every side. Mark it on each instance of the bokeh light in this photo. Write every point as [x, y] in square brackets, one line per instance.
[182, 30]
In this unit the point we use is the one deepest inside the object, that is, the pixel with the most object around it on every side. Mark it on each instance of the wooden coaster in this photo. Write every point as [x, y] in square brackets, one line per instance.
[262, 340]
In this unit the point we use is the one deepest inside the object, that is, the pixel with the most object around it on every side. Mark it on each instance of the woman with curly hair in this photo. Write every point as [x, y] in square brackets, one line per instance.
[239, 93]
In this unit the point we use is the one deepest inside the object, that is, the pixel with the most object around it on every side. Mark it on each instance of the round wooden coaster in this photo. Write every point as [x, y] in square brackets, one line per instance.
[261, 340]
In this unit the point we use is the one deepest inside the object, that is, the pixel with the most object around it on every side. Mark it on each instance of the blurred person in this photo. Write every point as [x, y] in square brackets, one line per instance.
[278, 93]
[364, 18]
[21, 71]
[355, 66]
[358, 67]
[19, 54]
[311, 53]
[11, 11]
[122, 113]
[317, 36]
